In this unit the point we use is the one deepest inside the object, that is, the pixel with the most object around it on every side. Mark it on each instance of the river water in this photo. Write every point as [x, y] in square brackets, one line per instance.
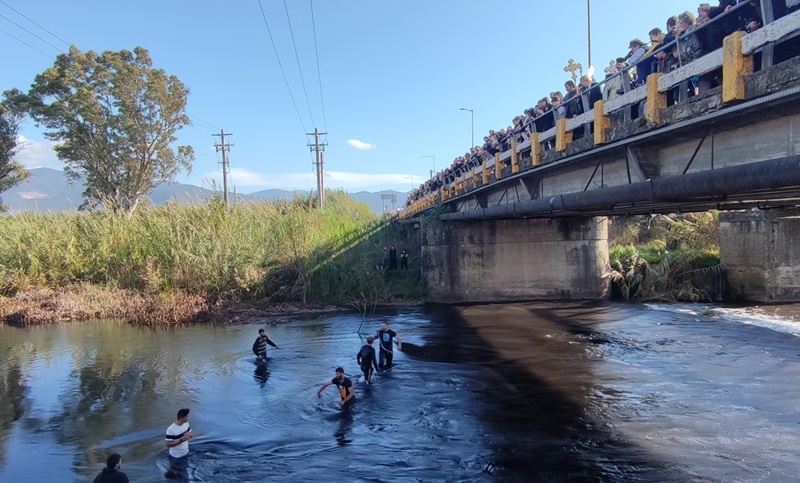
[521, 392]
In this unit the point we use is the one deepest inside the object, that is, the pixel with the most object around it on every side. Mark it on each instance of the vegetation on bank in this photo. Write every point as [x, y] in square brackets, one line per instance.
[179, 261]
[658, 258]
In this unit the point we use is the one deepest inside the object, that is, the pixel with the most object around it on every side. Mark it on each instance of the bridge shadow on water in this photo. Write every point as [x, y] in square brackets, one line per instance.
[538, 392]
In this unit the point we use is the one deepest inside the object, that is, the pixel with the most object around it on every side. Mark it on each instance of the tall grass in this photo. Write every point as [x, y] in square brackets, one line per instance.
[663, 267]
[284, 250]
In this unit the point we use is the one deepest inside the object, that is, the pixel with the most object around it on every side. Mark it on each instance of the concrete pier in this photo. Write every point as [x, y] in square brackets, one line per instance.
[761, 252]
[514, 260]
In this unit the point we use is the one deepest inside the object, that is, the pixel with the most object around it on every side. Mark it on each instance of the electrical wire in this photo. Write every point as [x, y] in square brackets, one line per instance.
[207, 125]
[29, 45]
[31, 21]
[297, 58]
[23, 28]
[319, 75]
[300, 118]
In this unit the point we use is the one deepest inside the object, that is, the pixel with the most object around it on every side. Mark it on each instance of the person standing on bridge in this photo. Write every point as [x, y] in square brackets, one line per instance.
[385, 336]
[260, 346]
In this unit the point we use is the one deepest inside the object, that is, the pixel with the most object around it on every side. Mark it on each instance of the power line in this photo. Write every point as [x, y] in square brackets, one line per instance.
[210, 126]
[297, 57]
[26, 43]
[23, 28]
[31, 21]
[264, 16]
[319, 75]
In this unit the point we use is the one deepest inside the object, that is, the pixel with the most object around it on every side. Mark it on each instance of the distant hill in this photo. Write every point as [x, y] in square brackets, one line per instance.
[47, 190]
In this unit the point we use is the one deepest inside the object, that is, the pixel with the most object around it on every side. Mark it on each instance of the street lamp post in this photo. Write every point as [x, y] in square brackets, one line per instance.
[589, 28]
[472, 112]
[433, 171]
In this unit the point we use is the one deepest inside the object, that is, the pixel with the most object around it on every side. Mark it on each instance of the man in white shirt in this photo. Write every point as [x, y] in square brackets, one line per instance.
[178, 435]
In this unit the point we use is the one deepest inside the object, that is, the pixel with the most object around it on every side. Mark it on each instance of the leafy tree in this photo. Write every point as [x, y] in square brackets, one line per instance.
[114, 118]
[11, 172]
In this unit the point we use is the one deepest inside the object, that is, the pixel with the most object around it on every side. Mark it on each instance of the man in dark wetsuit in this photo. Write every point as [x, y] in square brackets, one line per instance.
[260, 345]
[343, 384]
[111, 473]
[367, 360]
[385, 336]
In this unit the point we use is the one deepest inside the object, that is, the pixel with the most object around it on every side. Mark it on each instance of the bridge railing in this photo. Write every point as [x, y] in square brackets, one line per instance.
[735, 58]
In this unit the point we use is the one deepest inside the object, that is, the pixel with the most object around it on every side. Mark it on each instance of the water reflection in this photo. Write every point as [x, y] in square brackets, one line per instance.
[12, 397]
[261, 373]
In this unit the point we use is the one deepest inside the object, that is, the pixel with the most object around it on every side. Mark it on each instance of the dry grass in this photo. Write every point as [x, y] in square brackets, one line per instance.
[87, 302]
[84, 302]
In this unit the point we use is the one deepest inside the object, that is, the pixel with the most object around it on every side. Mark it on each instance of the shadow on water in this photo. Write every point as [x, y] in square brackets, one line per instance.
[537, 376]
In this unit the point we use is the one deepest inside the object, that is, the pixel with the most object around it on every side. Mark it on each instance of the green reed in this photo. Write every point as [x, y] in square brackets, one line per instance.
[285, 250]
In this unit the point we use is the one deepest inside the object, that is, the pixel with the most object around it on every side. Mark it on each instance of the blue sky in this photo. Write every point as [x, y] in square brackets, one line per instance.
[394, 74]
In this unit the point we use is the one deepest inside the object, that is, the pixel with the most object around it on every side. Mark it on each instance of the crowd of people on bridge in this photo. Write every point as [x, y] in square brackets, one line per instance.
[687, 38]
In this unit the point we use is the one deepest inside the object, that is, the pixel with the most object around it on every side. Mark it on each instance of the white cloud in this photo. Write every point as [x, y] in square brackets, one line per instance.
[37, 154]
[246, 181]
[360, 145]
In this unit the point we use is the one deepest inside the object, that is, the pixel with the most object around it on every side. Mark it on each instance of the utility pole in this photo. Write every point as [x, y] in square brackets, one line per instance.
[319, 149]
[225, 168]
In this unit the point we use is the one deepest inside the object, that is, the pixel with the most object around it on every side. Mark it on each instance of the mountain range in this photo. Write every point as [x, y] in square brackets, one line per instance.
[48, 190]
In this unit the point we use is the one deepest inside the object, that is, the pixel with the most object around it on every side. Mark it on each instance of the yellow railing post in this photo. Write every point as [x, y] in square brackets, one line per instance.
[536, 149]
[735, 65]
[656, 101]
[498, 171]
[485, 172]
[601, 122]
[563, 137]
[514, 162]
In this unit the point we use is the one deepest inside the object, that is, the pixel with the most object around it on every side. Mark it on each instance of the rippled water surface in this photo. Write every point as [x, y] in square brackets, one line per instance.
[523, 392]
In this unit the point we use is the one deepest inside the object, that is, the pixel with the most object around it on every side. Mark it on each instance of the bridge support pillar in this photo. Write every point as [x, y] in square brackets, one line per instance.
[514, 260]
[761, 255]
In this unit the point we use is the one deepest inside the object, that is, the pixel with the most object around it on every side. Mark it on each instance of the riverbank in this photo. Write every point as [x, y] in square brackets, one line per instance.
[87, 302]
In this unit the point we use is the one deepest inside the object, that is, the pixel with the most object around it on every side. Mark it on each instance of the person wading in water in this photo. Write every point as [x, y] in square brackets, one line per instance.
[367, 360]
[260, 346]
[343, 384]
[385, 336]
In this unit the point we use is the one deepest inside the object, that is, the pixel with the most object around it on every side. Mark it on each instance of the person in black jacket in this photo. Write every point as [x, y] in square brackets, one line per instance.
[393, 258]
[111, 473]
[367, 360]
[260, 345]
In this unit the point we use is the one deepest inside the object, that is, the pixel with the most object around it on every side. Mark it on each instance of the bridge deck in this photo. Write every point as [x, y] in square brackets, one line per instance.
[617, 171]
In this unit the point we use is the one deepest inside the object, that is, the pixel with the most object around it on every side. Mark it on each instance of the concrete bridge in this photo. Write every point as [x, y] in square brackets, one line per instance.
[531, 224]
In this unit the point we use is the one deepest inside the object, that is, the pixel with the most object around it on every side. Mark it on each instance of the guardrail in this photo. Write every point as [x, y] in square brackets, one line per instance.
[735, 58]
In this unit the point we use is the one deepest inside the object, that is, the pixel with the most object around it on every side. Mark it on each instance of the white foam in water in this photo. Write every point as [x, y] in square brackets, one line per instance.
[742, 315]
